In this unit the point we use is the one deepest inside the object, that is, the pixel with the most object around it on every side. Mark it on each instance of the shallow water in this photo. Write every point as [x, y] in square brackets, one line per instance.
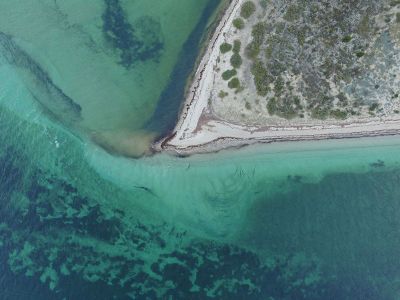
[296, 221]
[106, 63]
[306, 220]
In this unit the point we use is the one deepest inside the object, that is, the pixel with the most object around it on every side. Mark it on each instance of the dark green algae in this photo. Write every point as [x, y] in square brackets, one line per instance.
[136, 42]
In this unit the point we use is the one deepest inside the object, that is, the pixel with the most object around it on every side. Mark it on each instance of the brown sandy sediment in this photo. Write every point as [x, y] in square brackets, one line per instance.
[124, 142]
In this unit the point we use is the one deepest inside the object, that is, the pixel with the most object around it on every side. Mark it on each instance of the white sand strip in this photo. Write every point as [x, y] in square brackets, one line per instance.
[217, 135]
[197, 98]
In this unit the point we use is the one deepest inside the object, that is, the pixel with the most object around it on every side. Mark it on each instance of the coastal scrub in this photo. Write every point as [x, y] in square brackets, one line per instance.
[248, 8]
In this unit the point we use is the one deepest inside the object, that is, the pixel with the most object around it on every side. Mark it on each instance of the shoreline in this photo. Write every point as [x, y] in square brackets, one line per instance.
[278, 135]
[198, 130]
[196, 82]
[204, 45]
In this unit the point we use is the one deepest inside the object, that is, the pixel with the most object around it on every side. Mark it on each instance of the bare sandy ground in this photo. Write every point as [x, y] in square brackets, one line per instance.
[199, 130]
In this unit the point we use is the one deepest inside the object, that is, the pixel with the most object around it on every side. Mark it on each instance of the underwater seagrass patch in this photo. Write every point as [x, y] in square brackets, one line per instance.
[137, 42]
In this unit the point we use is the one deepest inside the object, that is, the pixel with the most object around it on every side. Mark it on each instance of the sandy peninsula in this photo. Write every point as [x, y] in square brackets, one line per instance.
[200, 129]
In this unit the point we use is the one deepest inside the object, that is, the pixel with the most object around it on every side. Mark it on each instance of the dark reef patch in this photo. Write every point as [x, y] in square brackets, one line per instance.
[140, 41]
[378, 164]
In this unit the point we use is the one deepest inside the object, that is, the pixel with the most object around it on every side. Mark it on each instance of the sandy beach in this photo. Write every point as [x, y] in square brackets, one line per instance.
[198, 130]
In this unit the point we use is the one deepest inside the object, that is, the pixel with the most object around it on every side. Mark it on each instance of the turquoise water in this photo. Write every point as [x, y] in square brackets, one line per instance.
[102, 66]
[306, 220]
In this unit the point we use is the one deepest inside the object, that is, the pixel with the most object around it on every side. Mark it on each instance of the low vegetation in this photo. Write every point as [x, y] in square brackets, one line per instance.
[222, 94]
[236, 46]
[236, 60]
[261, 77]
[304, 44]
[228, 74]
[313, 59]
[238, 23]
[225, 47]
[247, 10]
[234, 83]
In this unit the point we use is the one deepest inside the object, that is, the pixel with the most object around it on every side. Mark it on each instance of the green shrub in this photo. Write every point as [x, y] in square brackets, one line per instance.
[261, 78]
[236, 60]
[339, 114]
[248, 8]
[282, 107]
[364, 27]
[252, 50]
[228, 74]
[258, 32]
[236, 46]
[238, 23]
[292, 13]
[222, 94]
[234, 83]
[347, 39]
[271, 106]
[279, 85]
[268, 52]
[360, 54]
[373, 106]
[225, 47]
[264, 3]
[320, 113]
[296, 101]
[301, 36]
